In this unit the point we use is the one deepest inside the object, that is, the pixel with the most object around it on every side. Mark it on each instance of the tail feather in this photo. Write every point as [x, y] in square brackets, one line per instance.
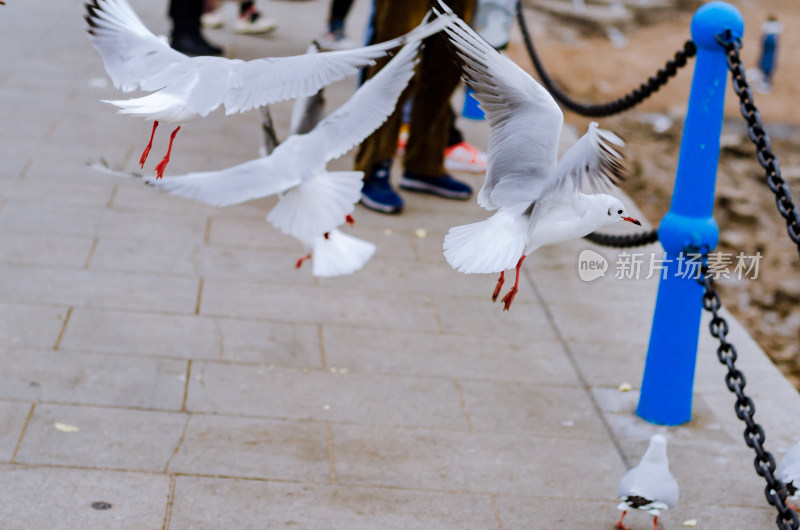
[317, 205]
[339, 254]
[492, 245]
[156, 106]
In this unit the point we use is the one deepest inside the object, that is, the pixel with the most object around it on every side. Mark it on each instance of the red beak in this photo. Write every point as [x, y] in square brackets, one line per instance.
[632, 220]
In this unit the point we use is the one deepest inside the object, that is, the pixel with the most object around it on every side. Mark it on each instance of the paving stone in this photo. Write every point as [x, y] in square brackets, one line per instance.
[29, 325]
[42, 249]
[108, 438]
[217, 503]
[300, 394]
[254, 448]
[51, 219]
[415, 277]
[545, 410]
[525, 321]
[141, 255]
[176, 336]
[42, 497]
[299, 303]
[274, 343]
[254, 265]
[13, 415]
[89, 194]
[45, 285]
[249, 232]
[193, 337]
[462, 357]
[93, 379]
[478, 462]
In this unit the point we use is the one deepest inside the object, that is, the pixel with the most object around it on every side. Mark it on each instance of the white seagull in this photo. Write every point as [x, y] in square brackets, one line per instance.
[537, 198]
[788, 472]
[649, 486]
[313, 201]
[183, 87]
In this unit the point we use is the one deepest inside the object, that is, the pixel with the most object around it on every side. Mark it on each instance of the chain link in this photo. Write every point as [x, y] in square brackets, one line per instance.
[623, 241]
[759, 137]
[745, 408]
[630, 100]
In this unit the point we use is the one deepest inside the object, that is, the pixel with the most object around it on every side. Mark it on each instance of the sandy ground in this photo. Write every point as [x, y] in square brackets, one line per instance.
[593, 70]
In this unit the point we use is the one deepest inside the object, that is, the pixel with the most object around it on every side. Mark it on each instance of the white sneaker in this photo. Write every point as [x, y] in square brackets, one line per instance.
[212, 20]
[253, 23]
[332, 42]
[464, 157]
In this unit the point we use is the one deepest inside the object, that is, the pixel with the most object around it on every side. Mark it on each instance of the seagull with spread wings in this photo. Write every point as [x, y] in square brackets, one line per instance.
[182, 87]
[536, 197]
[313, 201]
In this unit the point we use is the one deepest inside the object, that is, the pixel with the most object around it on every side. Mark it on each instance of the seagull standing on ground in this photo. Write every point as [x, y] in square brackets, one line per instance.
[788, 472]
[537, 198]
[313, 201]
[183, 87]
[649, 486]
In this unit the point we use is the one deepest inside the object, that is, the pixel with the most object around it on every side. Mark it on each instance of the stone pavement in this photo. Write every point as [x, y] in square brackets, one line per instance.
[166, 358]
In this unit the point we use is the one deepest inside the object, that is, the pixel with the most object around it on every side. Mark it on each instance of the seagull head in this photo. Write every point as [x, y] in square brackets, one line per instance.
[616, 212]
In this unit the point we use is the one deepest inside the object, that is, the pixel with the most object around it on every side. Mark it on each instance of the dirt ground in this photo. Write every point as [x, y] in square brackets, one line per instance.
[593, 70]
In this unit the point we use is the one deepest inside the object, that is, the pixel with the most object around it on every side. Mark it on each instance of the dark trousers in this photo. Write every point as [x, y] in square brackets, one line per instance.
[339, 11]
[431, 89]
[185, 15]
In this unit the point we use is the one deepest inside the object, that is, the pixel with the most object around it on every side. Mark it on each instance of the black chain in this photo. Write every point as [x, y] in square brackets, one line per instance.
[627, 101]
[760, 138]
[623, 241]
[754, 435]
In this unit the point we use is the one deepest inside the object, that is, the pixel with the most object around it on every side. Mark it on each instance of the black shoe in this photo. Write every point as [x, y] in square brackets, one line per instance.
[194, 44]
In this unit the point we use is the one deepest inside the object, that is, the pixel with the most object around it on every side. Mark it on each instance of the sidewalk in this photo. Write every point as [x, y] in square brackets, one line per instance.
[167, 358]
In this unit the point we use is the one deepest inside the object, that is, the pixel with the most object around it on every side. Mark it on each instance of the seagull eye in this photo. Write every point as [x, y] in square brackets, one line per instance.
[619, 212]
[609, 211]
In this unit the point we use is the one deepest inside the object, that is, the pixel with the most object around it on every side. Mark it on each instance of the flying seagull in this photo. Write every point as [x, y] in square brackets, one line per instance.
[536, 198]
[313, 201]
[182, 87]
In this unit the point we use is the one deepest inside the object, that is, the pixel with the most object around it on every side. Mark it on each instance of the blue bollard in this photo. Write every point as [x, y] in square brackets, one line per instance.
[666, 395]
[471, 109]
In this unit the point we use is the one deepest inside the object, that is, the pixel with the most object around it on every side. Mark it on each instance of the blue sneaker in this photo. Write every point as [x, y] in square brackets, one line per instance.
[444, 186]
[377, 193]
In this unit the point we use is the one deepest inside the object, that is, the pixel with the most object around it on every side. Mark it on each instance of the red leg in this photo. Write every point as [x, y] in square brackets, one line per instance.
[619, 523]
[349, 219]
[500, 281]
[655, 522]
[163, 164]
[301, 260]
[509, 297]
[143, 158]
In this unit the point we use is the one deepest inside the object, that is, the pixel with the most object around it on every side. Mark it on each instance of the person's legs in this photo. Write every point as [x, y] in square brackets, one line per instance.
[251, 21]
[391, 19]
[186, 36]
[432, 116]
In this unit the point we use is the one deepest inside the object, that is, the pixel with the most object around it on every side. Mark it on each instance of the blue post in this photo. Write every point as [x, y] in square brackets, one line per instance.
[666, 396]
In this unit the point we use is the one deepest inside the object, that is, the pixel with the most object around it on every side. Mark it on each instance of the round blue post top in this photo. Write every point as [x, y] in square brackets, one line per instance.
[713, 19]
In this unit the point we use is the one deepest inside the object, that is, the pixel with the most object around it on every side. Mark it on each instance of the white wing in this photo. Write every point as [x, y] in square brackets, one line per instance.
[594, 160]
[133, 57]
[251, 180]
[652, 482]
[525, 120]
[365, 111]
